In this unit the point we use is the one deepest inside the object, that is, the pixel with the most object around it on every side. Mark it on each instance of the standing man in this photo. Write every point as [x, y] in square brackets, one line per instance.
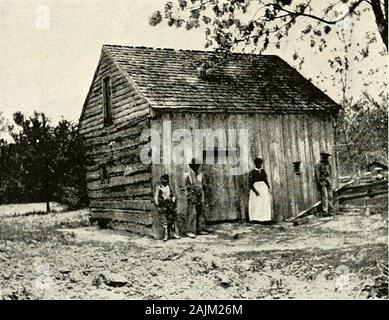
[195, 222]
[323, 176]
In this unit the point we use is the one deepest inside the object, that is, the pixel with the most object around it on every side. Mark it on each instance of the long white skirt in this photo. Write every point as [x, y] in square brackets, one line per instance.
[260, 206]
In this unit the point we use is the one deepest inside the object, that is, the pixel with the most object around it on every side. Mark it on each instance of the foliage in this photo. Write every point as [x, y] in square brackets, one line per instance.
[363, 133]
[70, 173]
[228, 23]
[345, 31]
[2, 122]
[43, 162]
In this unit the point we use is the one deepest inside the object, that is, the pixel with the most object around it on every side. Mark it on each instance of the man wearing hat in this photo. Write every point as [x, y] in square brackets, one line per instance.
[195, 199]
[323, 176]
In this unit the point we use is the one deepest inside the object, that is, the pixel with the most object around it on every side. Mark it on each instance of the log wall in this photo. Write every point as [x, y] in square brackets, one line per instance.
[122, 199]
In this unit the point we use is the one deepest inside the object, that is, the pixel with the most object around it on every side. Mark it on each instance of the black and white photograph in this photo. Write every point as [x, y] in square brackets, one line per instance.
[197, 150]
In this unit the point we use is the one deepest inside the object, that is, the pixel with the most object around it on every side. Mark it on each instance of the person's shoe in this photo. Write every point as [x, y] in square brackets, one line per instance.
[175, 232]
[203, 233]
[191, 235]
[176, 236]
[165, 234]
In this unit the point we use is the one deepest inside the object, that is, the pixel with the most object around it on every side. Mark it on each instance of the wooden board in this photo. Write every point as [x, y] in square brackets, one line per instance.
[300, 137]
[122, 216]
[264, 132]
[310, 162]
[289, 151]
[279, 196]
[134, 205]
[131, 227]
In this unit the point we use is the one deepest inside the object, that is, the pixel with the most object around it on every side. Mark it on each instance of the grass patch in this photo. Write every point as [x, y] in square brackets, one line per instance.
[35, 227]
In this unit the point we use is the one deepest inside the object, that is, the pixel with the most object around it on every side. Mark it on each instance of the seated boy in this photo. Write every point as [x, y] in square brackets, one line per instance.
[166, 202]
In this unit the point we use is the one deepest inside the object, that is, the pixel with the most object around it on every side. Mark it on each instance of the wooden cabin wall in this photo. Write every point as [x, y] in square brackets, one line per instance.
[279, 139]
[123, 199]
[217, 207]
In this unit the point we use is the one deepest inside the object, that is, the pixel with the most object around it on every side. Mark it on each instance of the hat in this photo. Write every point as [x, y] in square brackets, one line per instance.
[165, 176]
[194, 163]
[325, 153]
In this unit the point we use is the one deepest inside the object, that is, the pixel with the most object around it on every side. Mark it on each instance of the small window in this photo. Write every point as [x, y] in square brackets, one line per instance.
[107, 103]
[296, 167]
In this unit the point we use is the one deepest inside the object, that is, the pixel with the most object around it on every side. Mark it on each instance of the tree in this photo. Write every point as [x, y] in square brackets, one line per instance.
[9, 172]
[3, 147]
[229, 23]
[2, 122]
[317, 26]
[9, 182]
[48, 162]
[34, 141]
[363, 133]
[70, 174]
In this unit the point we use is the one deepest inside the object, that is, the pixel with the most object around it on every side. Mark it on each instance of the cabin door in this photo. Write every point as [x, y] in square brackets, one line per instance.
[220, 196]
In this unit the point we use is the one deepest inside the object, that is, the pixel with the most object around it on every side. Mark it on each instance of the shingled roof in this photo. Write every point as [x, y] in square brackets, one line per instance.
[169, 79]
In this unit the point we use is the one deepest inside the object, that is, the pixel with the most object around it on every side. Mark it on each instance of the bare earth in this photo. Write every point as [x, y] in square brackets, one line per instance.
[60, 256]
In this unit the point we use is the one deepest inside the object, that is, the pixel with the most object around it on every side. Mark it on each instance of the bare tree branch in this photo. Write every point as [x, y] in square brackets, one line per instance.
[321, 19]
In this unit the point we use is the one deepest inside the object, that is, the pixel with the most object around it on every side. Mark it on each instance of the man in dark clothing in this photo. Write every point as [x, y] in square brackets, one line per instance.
[323, 176]
[195, 200]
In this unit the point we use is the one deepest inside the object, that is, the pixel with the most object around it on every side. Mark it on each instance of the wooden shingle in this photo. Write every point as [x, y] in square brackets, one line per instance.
[169, 79]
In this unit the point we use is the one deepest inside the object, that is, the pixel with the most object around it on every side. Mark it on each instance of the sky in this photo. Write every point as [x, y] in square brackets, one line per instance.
[49, 50]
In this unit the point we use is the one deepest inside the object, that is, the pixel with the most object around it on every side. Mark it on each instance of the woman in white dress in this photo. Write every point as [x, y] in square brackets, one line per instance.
[260, 194]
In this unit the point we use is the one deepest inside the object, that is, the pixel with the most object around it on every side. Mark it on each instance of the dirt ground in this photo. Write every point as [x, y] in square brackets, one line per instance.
[60, 256]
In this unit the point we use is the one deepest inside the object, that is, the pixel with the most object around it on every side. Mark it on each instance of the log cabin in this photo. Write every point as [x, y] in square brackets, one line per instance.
[286, 118]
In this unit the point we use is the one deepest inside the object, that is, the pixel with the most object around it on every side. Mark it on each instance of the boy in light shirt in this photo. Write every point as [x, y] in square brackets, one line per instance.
[165, 200]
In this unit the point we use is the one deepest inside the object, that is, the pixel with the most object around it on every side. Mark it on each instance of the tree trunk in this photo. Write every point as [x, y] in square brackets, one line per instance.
[381, 20]
[48, 206]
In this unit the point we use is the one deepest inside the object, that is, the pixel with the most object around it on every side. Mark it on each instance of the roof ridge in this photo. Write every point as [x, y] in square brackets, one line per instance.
[185, 50]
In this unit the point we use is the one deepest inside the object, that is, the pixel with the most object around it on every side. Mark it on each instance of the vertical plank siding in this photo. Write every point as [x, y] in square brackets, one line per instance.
[315, 148]
[310, 164]
[262, 131]
[123, 199]
[298, 179]
[279, 139]
[289, 152]
[274, 163]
